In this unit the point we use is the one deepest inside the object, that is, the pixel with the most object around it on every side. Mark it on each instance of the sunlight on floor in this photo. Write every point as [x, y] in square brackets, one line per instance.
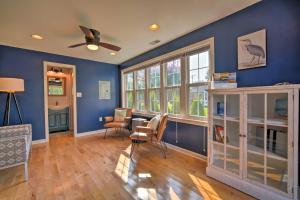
[128, 150]
[144, 175]
[205, 189]
[173, 195]
[147, 193]
[122, 168]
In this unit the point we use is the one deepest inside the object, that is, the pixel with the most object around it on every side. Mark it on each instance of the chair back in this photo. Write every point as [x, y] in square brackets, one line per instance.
[128, 111]
[162, 126]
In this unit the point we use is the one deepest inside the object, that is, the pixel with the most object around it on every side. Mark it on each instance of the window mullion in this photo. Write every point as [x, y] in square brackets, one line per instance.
[183, 94]
[162, 88]
[146, 90]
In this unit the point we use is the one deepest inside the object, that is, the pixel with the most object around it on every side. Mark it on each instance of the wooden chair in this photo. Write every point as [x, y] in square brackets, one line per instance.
[144, 134]
[110, 122]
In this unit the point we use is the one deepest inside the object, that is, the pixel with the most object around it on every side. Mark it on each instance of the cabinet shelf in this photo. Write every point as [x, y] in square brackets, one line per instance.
[256, 120]
[217, 143]
[277, 122]
[218, 117]
[270, 122]
[232, 118]
[260, 151]
[232, 147]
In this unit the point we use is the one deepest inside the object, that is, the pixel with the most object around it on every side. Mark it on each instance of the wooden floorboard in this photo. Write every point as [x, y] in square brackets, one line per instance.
[93, 168]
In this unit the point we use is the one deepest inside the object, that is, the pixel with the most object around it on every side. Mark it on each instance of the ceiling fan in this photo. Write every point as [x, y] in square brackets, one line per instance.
[92, 38]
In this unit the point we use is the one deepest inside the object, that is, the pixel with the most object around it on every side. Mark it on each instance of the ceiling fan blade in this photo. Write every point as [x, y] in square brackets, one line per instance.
[110, 46]
[87, 32]
[77, 45]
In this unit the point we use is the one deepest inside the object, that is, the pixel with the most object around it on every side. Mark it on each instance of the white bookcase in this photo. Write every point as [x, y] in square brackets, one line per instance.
[253, 140]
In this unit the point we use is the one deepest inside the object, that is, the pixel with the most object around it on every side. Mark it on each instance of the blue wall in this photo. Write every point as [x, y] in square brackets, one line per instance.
[281, 19]
[27, 64]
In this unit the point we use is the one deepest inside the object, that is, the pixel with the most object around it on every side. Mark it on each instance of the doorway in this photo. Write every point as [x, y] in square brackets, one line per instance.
[60, 98]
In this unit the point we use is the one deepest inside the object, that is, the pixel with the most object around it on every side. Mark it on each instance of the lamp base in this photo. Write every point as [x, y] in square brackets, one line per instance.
[6, 117]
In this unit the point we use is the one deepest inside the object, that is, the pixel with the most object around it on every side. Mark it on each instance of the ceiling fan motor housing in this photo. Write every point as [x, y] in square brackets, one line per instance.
[96, 40]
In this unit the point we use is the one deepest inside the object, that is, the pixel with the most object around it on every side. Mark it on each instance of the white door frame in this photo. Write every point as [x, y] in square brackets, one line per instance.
[73, 67]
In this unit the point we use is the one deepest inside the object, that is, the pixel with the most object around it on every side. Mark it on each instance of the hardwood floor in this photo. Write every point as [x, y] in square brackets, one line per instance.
[93, 168]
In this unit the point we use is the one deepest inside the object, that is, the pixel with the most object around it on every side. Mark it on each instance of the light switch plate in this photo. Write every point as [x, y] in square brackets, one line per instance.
[78, 94]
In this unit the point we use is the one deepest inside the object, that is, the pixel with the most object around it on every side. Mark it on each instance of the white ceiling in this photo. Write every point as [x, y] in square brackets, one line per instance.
[121, 22]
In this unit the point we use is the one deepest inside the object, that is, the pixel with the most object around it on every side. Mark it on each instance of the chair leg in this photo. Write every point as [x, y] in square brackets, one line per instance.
[132, 149]
[105, 133]
[26, 171]
[163, 150]
[123, 133]
[166, 147]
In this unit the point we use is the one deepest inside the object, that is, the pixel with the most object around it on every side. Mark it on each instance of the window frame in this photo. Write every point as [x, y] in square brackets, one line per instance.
[184, 88]
[142, 90]
[128, 90]
[197, 84]
[149, 89]
[168, 87]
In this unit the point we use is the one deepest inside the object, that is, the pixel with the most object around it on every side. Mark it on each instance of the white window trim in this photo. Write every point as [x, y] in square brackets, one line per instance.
[185, 118]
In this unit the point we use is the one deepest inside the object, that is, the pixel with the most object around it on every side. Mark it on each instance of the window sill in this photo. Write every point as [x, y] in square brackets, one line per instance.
[197, 122]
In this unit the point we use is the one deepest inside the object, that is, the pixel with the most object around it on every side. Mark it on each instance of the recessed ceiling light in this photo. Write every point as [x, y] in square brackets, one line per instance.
[154, 27]
[36, 36]
[112, 53]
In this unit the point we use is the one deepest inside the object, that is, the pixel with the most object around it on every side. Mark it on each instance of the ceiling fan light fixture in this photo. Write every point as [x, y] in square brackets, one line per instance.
[92, 47]
[112, 53]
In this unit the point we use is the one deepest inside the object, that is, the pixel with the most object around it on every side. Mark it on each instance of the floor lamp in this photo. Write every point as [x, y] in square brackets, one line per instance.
[11, 86]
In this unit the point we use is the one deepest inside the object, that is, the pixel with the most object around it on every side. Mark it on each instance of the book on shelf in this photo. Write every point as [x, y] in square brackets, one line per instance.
[225, 77]
[219, 133]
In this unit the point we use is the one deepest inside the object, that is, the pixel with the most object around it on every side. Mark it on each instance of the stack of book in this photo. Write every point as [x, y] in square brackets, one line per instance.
[224, 80]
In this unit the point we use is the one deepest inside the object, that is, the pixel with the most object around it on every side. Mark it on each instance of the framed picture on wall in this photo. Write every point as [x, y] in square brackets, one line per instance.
[104, 90]
[252, 50]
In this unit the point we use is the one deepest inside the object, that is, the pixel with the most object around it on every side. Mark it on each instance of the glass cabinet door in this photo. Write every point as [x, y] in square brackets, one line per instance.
[267, 139]
[226, 129]
[232, 132]
[218, 132]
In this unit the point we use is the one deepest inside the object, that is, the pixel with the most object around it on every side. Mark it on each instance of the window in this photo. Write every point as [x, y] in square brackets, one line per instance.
[173, 101]
[198, 73]
[154, 88]
[154, 76]
[172, 85]
[129, 90]
[140, 90]
[198, 105]
[199, 67]
[176, 83]
[154, 97]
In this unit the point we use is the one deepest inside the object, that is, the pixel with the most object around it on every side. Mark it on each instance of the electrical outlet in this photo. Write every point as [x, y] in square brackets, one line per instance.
[78, 94]
[100, 119]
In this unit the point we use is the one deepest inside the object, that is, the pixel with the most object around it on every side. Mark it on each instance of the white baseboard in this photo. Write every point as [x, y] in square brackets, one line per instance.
[39, 141]
[100, 131]
[78, 135]
[187, 152]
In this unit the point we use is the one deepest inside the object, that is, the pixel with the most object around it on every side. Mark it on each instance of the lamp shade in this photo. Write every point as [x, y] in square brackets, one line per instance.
[11, 85]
